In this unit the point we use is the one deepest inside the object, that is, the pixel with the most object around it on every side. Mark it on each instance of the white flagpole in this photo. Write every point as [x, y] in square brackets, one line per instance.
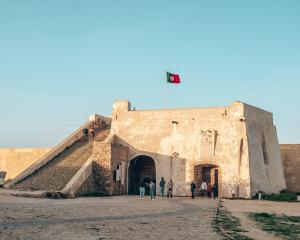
[166, 82]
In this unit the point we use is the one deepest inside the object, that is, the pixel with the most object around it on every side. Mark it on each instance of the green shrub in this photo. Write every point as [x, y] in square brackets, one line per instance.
[282, 197]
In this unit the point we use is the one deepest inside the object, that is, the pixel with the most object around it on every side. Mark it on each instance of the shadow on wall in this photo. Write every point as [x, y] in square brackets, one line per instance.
[119, 167]
[175, 167]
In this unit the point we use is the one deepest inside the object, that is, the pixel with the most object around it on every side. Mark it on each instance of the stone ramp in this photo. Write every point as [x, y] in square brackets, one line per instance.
[65, 167]
[55, 175]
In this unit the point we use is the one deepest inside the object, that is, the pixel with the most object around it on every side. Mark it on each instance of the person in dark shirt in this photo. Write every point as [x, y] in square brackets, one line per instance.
[85, 132]
[142, 186]
[193, 187]
[215, 190]
[162, 184]
[209, 190]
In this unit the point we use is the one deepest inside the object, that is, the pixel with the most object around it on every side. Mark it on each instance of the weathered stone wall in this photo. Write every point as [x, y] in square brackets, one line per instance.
[119, 167]
[88, 187]
[104, 170]
[266, 169]
[240, 140]
[290, 154]
[179, 139]
[228, 137]
[16, 160]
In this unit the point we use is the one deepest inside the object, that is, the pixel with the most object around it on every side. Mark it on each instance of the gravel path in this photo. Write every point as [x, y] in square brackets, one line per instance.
[124, 217]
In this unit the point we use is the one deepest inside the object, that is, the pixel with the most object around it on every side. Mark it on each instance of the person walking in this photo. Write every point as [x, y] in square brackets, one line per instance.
[203, 188]
[193, 187]
[162, 184]
[85, 132]
[92, 134]
[152, 190]
[170, 189]
[142, 186]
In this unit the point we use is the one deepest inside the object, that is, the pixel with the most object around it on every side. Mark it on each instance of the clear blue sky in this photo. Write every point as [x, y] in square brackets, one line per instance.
[62, 60]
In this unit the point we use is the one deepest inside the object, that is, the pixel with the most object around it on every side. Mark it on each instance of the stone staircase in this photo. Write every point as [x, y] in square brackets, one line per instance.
[55, 175]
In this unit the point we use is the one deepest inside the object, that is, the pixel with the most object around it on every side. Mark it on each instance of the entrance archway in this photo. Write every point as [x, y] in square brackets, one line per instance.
[209, 173]
[140, 166]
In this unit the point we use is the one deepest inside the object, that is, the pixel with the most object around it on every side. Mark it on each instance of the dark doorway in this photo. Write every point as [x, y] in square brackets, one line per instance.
[140, 166]
[206, 172]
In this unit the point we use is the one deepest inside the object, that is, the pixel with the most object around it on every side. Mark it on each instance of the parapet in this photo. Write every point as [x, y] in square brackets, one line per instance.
[121, 106]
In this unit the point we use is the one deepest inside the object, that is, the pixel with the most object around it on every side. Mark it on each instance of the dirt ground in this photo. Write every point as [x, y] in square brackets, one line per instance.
[242, 208]
[124, 217]
[127, 217]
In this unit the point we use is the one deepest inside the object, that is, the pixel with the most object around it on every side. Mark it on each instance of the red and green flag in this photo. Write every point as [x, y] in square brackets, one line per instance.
[173, 78]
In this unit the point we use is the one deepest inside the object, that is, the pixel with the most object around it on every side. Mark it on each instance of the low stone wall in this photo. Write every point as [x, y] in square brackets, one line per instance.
[290, 154]
[79, 178]
[16, 160]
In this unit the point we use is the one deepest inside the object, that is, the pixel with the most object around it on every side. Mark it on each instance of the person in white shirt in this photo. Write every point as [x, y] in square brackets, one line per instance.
[203, 188]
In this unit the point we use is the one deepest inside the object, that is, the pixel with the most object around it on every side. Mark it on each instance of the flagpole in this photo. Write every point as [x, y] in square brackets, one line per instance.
[166, 82]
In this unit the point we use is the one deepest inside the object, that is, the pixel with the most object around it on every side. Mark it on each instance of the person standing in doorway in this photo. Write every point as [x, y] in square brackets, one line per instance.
[142, 186]
[170, 189]
[193, 187]
[152, 190]
[203, 188]
[162, 184]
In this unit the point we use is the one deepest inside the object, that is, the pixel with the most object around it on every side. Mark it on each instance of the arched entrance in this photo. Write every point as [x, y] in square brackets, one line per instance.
[140, 166]
[209, 173]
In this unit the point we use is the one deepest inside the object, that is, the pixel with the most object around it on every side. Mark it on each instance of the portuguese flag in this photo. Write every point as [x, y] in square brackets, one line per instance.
[173, 78]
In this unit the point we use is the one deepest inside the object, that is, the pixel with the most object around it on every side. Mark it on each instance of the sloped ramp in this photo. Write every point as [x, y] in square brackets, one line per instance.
[62, 171]
[55, 175]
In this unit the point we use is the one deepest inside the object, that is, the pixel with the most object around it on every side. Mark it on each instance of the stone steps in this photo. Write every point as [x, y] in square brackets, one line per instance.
[59, 171]
[55, 175]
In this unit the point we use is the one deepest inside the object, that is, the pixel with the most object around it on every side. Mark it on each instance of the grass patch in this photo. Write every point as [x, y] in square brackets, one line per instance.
[283, 196]
[228, 226]
[286, 227]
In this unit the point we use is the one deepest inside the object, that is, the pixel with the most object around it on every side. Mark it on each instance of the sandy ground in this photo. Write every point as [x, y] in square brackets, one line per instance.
[124, 217]
[241, 209]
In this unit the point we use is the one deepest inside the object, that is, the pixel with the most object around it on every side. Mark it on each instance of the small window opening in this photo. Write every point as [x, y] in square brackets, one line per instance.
[264, 150]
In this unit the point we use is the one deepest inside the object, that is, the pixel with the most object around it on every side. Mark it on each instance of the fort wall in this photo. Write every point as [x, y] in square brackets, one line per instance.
[239, 139]
[16, 160]
[290, 154]
[237, 142]
[179, 139]
[266, 169]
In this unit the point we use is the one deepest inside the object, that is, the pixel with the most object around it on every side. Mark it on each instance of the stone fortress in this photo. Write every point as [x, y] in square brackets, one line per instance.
[234, 147]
